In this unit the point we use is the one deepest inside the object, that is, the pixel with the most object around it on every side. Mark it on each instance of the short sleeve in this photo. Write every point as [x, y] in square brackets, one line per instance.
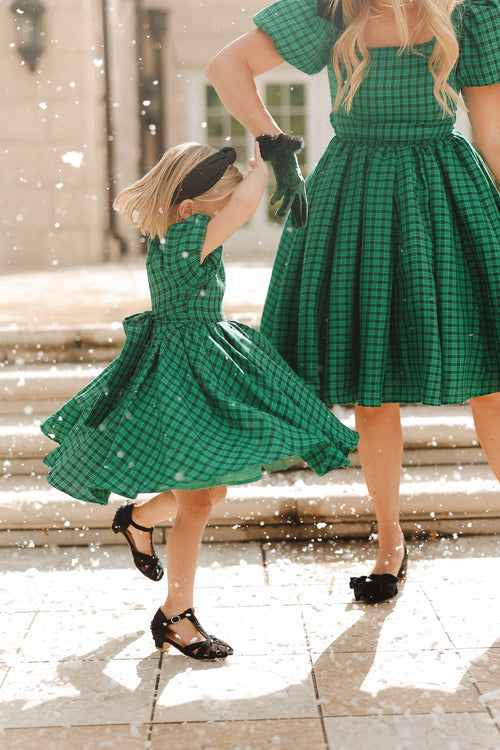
[181, 250]
[301, 36]
[477, 24]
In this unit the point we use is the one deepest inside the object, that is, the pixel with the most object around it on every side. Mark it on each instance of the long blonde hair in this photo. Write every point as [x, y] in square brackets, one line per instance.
[146, 203]
[436, 14]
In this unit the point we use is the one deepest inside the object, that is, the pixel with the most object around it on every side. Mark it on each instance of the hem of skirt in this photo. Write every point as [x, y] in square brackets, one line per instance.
[247, 475]
[417, 399]
[101, 496]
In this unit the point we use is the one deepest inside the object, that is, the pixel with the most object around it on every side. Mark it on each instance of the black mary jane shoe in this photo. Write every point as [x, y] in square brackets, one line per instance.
[149, 565]
[378, 587]
[207, 650]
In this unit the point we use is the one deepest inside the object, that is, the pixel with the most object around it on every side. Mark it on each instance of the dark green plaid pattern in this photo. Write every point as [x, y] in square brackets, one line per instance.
[193, 400]
[477, 24]
[392, 291]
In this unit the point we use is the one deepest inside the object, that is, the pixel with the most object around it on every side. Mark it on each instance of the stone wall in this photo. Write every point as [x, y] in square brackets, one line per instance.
[54, 203]
[52, 137]
[70, 133]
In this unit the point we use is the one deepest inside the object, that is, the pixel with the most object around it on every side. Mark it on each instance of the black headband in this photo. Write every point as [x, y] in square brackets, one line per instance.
[204, 176]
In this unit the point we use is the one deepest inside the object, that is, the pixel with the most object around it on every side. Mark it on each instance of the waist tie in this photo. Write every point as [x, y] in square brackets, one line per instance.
[164, 319]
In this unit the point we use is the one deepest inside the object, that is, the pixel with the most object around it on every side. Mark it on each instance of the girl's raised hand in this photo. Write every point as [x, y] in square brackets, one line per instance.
[241, 205]
[256, 161]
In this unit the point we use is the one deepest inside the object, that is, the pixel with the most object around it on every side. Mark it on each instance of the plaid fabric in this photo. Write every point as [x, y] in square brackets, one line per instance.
[477, 24]
[301, 37]
[193, 400]
[392, 291]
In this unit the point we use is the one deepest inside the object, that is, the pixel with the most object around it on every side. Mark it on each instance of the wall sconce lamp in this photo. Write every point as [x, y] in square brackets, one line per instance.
[28, 19]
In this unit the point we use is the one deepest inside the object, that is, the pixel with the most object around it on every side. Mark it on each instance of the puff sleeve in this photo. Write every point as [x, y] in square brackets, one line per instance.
[478, 33]
[301, 36]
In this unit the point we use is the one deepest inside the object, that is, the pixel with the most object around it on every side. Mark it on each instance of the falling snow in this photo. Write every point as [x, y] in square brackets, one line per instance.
[419, 671]
[74, 158]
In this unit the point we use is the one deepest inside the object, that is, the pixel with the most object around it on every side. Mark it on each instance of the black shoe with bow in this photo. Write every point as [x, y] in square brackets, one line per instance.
[208, 649]
[378, 587]
[149, 565]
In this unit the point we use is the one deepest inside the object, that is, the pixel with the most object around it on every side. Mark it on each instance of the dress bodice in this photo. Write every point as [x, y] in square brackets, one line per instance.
[183, 290]
[395, 101]
[386, 107]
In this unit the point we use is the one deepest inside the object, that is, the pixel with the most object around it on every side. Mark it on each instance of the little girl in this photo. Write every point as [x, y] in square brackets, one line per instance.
[193, 402]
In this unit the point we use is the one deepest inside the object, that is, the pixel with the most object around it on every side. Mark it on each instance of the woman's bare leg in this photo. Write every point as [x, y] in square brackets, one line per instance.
[380, 449]
[486, 413]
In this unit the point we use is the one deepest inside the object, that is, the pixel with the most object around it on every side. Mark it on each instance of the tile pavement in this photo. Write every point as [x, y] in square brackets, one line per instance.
[312, 669]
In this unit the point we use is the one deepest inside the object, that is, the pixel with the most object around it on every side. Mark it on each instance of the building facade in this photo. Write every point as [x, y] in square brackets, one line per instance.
[116, 83]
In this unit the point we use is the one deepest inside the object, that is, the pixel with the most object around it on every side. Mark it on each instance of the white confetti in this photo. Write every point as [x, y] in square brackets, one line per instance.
[74, 158]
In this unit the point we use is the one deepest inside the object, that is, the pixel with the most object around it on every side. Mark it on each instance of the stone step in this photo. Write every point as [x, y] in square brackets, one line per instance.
[43, 335]
[75, 344]
[28, 394]
[429, 426]
[424, 427]
[20, 438]
[30, 389]
[34, 467]
[57, 344]
[292, 504]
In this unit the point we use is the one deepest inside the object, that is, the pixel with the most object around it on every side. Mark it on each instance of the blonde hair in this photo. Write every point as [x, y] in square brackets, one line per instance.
[146, 203]
[436, 14]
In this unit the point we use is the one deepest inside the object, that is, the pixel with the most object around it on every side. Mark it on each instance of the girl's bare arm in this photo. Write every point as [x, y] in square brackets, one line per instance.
[241, 206]
[232, 72]
[483, 103]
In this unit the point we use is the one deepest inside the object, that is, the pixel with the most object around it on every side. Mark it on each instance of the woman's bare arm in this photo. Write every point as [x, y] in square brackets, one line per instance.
[483, 103]
[232, 72]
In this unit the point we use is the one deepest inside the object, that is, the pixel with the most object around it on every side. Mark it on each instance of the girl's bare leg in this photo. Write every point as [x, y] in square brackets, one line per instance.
[183, 547]
[486, 413]
[159, 508]
[381, 450]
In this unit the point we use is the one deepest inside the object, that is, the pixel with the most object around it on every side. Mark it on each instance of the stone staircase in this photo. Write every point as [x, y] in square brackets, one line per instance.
[447, 487]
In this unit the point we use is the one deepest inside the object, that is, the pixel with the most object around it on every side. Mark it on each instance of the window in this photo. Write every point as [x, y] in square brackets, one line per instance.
[287, 104]
[222, 127]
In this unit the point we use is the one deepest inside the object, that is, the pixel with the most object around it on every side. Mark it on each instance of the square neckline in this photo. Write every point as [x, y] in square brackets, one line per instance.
[397, 46]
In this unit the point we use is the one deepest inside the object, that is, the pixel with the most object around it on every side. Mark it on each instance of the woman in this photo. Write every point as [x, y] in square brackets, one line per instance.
[391, 292]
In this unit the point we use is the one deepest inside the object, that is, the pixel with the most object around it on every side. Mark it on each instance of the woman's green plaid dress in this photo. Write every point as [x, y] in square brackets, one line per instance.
[392, 291]
[193, 400]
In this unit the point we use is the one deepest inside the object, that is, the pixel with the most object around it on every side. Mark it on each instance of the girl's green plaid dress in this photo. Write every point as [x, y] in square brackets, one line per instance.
[392, 291]
[193, 400]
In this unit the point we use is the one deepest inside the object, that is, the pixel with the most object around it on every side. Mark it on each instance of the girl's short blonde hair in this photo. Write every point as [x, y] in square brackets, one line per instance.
[146, 203]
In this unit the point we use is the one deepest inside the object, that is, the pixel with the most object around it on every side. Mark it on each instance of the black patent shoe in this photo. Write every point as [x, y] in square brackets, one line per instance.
[149, 565]
[378, 587]
[207, 650]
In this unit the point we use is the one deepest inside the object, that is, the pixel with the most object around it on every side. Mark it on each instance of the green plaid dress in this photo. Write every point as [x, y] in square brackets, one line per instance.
[193, 400]
[392, 291]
